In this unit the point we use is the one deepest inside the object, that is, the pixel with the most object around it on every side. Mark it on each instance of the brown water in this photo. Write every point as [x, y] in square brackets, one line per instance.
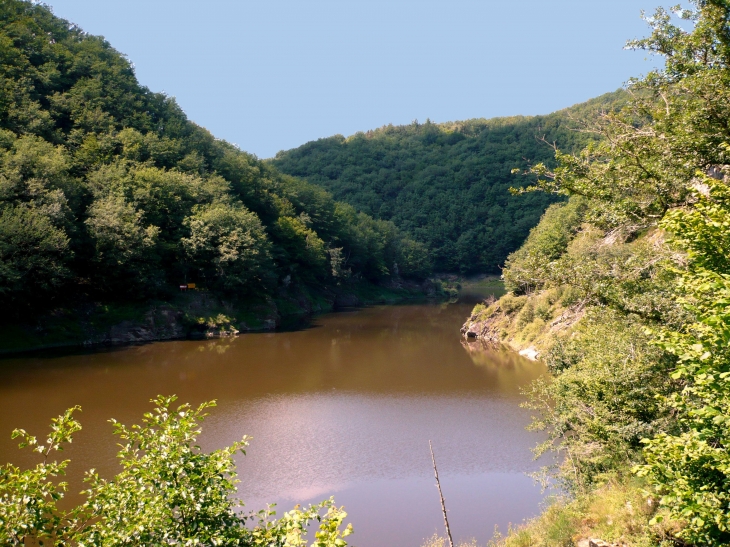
[345, 407]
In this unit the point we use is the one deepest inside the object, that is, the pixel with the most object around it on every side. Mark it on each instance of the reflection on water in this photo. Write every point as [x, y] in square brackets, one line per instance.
[344, 407]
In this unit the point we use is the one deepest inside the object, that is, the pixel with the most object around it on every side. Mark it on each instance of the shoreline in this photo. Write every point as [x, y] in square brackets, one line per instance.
[197, 316]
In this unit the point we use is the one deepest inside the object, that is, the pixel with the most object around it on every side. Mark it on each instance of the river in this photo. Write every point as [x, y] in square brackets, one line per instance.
[344, 407]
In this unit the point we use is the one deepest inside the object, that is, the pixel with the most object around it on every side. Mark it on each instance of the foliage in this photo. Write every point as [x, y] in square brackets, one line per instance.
[169, 492]
[648, 364]
[28, 497]
[601, 401]
[524, 270]
[617, 512]
[34, 253]
[227, 246]
[690, 468]
[108, 191]
[446, 184]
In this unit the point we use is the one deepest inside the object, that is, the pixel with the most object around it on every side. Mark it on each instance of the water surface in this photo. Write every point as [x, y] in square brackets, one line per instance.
[344, 408]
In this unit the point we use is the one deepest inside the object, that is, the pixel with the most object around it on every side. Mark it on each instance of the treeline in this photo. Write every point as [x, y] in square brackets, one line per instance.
[446, 185]
[625, 291]
[107, 190]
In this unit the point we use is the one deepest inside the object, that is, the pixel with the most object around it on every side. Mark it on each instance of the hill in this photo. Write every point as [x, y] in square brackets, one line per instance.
[624, 292]
[446, 185]
[108, 193]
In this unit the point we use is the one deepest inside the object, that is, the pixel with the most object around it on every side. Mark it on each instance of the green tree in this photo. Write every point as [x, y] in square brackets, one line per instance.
[446, 185]
[527, 269]
[144, 196]
[28, 498]
[229, 247]
[169, 492]
[124, 246]
[302, 244]
[663, 162]
[34, 254]
[690, 469]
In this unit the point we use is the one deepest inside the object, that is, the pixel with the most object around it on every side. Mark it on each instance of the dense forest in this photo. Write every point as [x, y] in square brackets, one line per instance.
[108, 191]
[623, 288]
[624, 292]
[446, 185]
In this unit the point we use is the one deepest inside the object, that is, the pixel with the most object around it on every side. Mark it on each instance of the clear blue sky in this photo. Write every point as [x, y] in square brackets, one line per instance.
[270, 75]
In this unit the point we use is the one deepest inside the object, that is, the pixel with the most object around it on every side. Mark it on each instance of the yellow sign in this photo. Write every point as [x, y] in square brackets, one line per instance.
[191, 285]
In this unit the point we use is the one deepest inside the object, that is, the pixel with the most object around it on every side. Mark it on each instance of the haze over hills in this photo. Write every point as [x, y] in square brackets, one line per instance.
[446, 184]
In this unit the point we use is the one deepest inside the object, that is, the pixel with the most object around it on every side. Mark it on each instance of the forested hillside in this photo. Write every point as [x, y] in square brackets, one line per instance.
[624, 291]
[108, 191]
[446, 185]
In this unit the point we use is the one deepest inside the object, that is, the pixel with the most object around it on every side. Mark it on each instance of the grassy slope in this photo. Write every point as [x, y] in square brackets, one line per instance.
[574, 285]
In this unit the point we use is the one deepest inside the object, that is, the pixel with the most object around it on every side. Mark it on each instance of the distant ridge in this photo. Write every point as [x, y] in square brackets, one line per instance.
[446, 184]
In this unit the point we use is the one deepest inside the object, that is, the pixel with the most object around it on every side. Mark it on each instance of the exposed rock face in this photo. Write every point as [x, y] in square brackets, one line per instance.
[163, 323]
[486, 332]
[496, 326]
[530, 353]
[198, 315]
[346, 301]
[482, 330]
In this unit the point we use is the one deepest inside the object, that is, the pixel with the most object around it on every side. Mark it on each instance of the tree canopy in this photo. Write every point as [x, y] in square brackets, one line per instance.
[107, 190]
[627, 289]
[446, 185]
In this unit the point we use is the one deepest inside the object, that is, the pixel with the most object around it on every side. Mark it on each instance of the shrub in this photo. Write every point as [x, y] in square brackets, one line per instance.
[527, 268]
[526, 315]
[510, 303]
[543, 311]
[169, 492]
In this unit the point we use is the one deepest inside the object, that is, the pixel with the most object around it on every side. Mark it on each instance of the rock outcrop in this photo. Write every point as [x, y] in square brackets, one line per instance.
[159, 323]
[480, 329]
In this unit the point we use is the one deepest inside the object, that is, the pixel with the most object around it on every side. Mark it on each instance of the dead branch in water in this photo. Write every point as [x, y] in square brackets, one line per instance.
[441, 495]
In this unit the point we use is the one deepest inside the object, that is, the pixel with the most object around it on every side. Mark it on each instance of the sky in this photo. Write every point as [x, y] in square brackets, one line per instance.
[270, 75]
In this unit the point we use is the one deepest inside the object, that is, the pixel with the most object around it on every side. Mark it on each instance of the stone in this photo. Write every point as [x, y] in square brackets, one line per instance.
[530, 353]
[600, 543]
[346, 301]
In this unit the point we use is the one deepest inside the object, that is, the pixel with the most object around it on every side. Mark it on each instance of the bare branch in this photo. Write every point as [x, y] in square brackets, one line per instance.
[443, 504]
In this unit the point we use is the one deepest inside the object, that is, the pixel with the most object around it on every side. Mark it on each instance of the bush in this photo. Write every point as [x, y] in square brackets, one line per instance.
[510, 303]
[228, 245]
[543, 311]
[527, 268]
[168, 492]
[602, 400]
[526, 315]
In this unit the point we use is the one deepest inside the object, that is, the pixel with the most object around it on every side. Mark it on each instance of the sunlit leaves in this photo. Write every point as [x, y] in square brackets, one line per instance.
[169, 492]
[28, 497]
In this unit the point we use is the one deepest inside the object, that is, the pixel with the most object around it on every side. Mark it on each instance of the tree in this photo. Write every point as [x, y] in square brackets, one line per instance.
[34, 255]
[663, 163]
[125, 247]
[229, 247]
[28, 497]
[169, 492]
[304, 248]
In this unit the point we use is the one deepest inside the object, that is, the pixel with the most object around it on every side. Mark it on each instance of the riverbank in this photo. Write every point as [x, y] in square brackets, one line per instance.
[199, 314]
[353, 394]
[529, 325]
[614, 508]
